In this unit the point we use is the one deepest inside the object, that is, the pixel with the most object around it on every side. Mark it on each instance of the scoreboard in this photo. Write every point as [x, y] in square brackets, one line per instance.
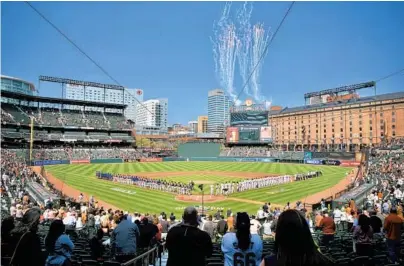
[249, 124]
[249, 134]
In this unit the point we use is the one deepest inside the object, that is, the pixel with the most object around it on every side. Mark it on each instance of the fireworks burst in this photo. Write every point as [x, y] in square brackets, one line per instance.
[244, 43]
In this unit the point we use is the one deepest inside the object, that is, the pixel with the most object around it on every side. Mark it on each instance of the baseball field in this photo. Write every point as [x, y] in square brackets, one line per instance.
[131, 198]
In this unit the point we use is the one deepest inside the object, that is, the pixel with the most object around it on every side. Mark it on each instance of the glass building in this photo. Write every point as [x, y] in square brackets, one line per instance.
[218, 111]
[17, 85]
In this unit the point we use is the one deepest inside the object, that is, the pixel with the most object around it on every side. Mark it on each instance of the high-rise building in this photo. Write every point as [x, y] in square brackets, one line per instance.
[218, 111]
[152, 113]
[202, 124]
[193, 126]
[126, 96]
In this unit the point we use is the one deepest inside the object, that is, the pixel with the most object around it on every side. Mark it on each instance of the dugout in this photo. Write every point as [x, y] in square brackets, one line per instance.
[358, 194]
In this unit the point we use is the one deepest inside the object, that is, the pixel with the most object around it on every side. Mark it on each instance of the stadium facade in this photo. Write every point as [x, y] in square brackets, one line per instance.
[152, 113]
[218, 111]
[129, 97]
[17, 85]
[340, 125]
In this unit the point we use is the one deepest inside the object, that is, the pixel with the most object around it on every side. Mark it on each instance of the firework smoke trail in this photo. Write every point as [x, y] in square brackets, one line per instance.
[244, 43]
[224, 51]
[259, 42]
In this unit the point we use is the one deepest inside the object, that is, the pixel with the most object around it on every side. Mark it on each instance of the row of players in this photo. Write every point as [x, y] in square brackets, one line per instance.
[215, 189]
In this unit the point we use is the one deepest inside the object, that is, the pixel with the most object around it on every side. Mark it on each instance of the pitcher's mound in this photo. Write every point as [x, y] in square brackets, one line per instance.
[198, 198]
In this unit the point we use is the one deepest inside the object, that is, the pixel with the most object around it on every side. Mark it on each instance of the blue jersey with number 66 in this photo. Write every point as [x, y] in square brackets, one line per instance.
[234, 256]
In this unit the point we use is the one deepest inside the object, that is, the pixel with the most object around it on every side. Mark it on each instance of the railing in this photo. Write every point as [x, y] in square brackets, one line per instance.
[151, 257]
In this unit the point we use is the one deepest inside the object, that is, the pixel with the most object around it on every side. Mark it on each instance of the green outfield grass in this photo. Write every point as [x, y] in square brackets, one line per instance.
[82, 177]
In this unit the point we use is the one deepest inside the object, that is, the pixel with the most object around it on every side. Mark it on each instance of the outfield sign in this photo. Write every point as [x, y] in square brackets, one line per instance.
[50, 162]
[314, 161]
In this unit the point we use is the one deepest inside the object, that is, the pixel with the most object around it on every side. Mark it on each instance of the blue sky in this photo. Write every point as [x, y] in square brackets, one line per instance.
[164, 47]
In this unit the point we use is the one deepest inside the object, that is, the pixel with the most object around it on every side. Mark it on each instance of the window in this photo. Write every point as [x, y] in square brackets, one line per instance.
[370, 115]
[350, 123]
[381, 114]
[394, 133]
[393, 113]
[325, 131]
[333, 130]
[393, 120]
[370, 128]
[360, 135]
[325, 136]
[350, 129]
[360, 122]
[350, 135]
[316, 131]
[342, 130]
[393, 126]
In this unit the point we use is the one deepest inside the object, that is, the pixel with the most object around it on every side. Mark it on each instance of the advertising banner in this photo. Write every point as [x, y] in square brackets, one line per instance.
[50, 162]
[308, 155]
[314, 161]
[350, 163]
[79, 161]
[145, 160]
[232, 135]
[332, 162]
[266, 134]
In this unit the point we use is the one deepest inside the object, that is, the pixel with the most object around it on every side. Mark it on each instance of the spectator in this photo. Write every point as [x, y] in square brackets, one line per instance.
[7, 225]
[337, 218]
[392, 227]
[58, 245]
[156, 222]
[294, 244]
[186, 243]
[25, 241]
[242, 247]
[363, 235]
[230, 222]
[350, 220]
[124, 241]
[209, 227]
[376, 224]
[148, 232]
[328, 226]
[267, 228]
[164, 225]
[255, 225]
[222, 227]
[97, 248]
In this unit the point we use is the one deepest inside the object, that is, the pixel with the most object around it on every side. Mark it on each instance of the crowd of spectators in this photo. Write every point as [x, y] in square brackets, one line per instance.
[63, 118]
[70, 153]
[82, 232]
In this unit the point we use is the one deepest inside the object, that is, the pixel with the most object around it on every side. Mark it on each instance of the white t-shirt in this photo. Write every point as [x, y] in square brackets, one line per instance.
[254, 226]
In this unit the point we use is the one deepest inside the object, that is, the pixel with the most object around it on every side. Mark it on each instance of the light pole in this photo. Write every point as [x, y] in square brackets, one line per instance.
[201, 188]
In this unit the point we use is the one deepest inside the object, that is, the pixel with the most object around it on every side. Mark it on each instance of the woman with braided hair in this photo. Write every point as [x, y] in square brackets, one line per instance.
[242, 247]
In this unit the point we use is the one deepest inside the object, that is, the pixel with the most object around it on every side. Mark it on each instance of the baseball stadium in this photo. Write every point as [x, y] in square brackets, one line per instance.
[103, 156]
[73, 153]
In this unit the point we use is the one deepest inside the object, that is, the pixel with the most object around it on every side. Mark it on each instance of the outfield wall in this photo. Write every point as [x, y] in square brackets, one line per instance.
[220, 159]
[199, 150]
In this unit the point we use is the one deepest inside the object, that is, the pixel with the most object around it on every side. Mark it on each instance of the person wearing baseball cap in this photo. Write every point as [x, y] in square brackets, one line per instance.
[186, 243]
[242, 247]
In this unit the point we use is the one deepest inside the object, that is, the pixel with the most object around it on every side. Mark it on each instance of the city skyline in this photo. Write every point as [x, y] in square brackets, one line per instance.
[321, 46]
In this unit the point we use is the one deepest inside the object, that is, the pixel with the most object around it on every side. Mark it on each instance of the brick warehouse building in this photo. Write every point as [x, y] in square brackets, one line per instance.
[344, 125]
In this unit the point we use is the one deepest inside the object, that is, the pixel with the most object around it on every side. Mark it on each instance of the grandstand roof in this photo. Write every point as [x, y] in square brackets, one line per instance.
[382, 97]
[25, 97]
